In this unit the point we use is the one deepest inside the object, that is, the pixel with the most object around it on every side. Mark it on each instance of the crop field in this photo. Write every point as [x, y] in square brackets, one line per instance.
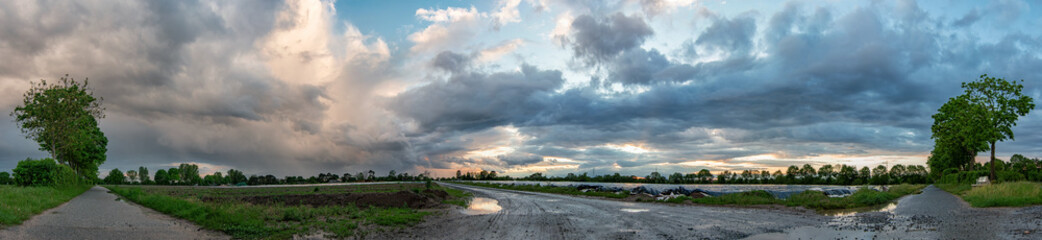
[284, 212]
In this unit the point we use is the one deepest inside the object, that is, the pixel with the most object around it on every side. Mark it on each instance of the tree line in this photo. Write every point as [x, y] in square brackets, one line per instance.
[840, 174]
[188, 174]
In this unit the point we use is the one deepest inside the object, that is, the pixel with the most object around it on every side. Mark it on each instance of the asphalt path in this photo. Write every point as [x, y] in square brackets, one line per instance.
[97, 214]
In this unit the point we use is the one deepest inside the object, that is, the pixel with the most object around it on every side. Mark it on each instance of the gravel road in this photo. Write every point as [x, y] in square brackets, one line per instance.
[96, 214]
[933, 214]
[528, 215]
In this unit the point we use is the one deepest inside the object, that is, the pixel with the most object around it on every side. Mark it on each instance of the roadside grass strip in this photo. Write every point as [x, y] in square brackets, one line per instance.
[18, 204]
[1007, 194]
[244, 220]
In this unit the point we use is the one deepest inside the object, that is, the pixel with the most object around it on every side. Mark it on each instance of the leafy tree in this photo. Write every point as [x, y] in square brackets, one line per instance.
[825, 172]
[956, 135]
[115, 177]
[63, 119]
[236, 177]
[1002, 103]
[5, 178]
[142, 173]
[189, 173]
[132, 175]
[162, 178]
[174, 175]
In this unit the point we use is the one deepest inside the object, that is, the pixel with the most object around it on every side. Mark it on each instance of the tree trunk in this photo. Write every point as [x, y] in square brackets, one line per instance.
[993, 161]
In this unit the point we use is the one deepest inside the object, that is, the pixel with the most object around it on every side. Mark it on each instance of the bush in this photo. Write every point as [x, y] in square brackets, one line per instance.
[43, 172]
[5, 178]
[1009, 176]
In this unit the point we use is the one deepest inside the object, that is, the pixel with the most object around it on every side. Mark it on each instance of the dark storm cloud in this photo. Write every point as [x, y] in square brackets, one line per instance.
[474, 101]
[450, 61]
[598, 39]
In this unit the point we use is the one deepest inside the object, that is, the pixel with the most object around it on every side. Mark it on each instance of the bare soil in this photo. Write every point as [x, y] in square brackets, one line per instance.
[424, 199]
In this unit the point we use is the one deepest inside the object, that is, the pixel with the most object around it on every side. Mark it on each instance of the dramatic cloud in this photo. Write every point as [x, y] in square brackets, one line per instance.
[298, 87]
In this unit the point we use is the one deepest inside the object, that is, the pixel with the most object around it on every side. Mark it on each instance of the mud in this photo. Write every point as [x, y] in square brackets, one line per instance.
[933, 214]
[425, 199]
[527, 215]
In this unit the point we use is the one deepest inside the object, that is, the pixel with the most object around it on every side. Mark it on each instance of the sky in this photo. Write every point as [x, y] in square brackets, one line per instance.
[517, 86]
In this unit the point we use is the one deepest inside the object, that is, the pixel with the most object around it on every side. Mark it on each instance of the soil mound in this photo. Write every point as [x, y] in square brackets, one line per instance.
[428, 199]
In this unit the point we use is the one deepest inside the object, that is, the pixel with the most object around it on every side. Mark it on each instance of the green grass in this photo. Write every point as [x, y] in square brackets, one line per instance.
[1007, 194]
[20, 203]
[457, 197]
[243, 220]
[549, 189]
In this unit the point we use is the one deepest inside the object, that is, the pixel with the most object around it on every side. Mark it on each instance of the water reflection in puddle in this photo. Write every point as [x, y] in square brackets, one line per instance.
[633, 210]
[851, 212]
[480, 205]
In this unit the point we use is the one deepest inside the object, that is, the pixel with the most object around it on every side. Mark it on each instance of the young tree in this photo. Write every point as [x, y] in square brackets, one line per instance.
[162, 178]
[63, 119]
[1002, 103]
[115, 177]
[5, 178]
[173, 175]
[142, 173]
[132, 175]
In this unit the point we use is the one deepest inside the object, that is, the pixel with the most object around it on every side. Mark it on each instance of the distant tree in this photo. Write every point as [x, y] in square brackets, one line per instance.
[864, 174]
[5, 178]
[142, 173]
[189, 173]
[825, 173]
[63, 119]
[132, 176]
[162, 178]
[792, 172]
[372, 175]
[236, 177]
[174, 176]
[115, 177]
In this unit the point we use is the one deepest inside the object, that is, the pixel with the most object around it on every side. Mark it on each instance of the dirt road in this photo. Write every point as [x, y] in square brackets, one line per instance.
[527, 215]
[934, 214]
[96, 214]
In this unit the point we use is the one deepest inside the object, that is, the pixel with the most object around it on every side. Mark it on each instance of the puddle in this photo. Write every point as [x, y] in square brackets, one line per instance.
[481, 206]
[889, 207]
[633, 210]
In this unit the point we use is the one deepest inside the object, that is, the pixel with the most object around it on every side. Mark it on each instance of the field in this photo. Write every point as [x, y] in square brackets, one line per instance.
[1007, 194]
[19, 203]
[284, 212]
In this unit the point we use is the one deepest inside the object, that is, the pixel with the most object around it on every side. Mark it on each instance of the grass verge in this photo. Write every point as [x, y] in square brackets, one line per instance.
[1007, 194]
[20, 203]
[865, 197]
[244, 220]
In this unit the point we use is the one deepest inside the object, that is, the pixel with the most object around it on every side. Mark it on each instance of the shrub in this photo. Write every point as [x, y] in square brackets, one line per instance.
[1009, 176]
[5, 178]
[31, 172]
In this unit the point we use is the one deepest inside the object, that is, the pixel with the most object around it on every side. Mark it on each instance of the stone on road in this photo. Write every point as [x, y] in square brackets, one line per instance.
[97, 214]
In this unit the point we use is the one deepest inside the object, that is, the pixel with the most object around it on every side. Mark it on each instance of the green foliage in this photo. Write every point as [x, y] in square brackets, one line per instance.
[162, 178]
[5, 178]
[19, 203]
[1008, 194]
[756, 197]
[142, 173]
[115, 177]
[984, 114]
[43, 172]
[63, 119]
